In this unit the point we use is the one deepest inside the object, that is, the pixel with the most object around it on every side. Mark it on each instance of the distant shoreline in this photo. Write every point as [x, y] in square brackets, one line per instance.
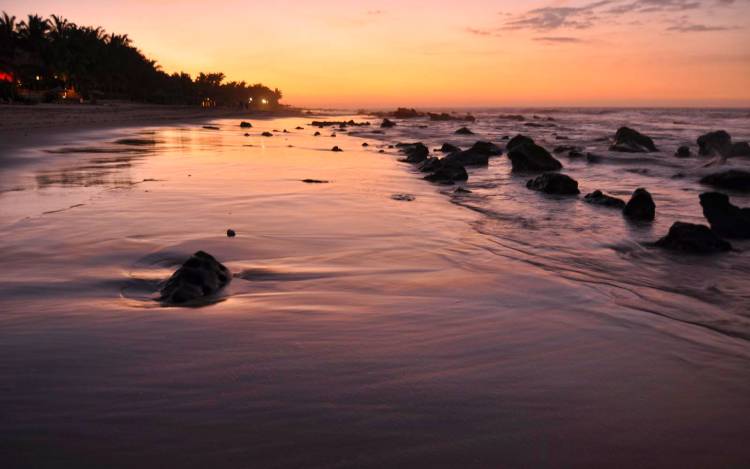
[28, 125]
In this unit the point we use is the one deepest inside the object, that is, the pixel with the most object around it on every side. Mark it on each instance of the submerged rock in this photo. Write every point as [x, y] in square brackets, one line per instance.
[698, 239]
[316, 134]
[365, 144]
[464, 131]
[641, 206]
[336, 148]
[725, 219]
[715, 142]
[387, 124]
[531, 157]
[403, 197]
[487, 148]
[415, 152]
[631, 141]
[683, 152]
[210, 127]
[600, 198]
[448, 174]
[267, 134]
[136, 141]
[314, 181]
[406, 113]
[245, 125]
[734, 179]
[199, 277]
[554, 183]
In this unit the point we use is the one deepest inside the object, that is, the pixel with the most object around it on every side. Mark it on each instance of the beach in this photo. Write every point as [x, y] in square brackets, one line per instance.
[491, 327]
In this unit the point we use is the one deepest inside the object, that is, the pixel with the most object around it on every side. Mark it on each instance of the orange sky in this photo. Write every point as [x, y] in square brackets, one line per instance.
[439, 53]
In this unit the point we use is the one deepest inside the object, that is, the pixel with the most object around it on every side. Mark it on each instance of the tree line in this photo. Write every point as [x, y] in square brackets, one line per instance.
[53, 58]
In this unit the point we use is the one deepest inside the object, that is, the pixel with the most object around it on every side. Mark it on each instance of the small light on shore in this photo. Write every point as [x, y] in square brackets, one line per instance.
[38, 78]
[264, 101]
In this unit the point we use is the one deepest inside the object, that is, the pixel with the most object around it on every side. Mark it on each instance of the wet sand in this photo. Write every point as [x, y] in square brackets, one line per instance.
[359, 330]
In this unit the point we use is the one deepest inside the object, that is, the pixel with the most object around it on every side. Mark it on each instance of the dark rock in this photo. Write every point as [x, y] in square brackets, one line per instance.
[698, 239]
[554, 183]
[314, 181]
[574, 154]
[381, 151]
[231, 233]
[210, 127]
[136, 141]
[461, 190]
[641, 206]
[683, 152]
[247, 134]
[299, 128]
[285, 131]
[267, 134]
[487, 148]
[741, 149]
[518, 140]
[340, 124]
[733, 179]
[715, 142]
[333, 134]
[512, 117]
[387, 124]
[365, 144]
[316, 134]
[415, 152]
[531, 157]
[599, 198]
[406, 113]
[403, 197]
[464, 131]
[199, 277]
[336, 149]
[448, 174]
[448, 148]
[245, 125]
[430, 165]
[445, 117]
[725, 219]
[631, 141]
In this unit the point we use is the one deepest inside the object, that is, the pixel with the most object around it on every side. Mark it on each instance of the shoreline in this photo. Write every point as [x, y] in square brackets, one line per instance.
[23, 126]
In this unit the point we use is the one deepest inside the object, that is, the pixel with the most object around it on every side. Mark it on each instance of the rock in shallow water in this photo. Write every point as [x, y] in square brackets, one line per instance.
[599, 198]
[641, 206]
[683, 152]
[464, 131]
[697, 239]
[734, 179]
[518, 140]
[415, 152]
[387, 124]
[715, 142]
[449, 148]
[245, 125]
[448, 174]
[200, 277]
[631, 141]
[725, 219]
[554, 183]
[531, 157]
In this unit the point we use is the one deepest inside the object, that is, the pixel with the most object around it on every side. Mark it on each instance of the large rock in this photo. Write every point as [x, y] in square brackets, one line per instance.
[200, 277]
[631, 141]
[725, 219]
[715, 142]
[430, 165]
[641, 206]
[531, 157]
[517, 141]
[698, 239]
[464, 131]
[415, 152]
[478, 155]
[600, 198]
[448, 174]
[683, 152]
[554, 183]
[733, 179]
[741, 149]
[387, 124]
[245, 125]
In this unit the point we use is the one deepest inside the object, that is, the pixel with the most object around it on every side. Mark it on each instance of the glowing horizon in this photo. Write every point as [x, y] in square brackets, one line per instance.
[415, 53]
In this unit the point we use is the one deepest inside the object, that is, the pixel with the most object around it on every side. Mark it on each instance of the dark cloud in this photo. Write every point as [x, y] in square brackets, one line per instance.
[697, 28]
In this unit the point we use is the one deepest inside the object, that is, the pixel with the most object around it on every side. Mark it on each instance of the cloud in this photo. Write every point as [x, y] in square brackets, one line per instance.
[547, 18]
[559, 39]
[482, 32]
[697, 28]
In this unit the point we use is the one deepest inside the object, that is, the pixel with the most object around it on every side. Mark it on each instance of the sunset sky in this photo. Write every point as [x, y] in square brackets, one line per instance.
[437, 53]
